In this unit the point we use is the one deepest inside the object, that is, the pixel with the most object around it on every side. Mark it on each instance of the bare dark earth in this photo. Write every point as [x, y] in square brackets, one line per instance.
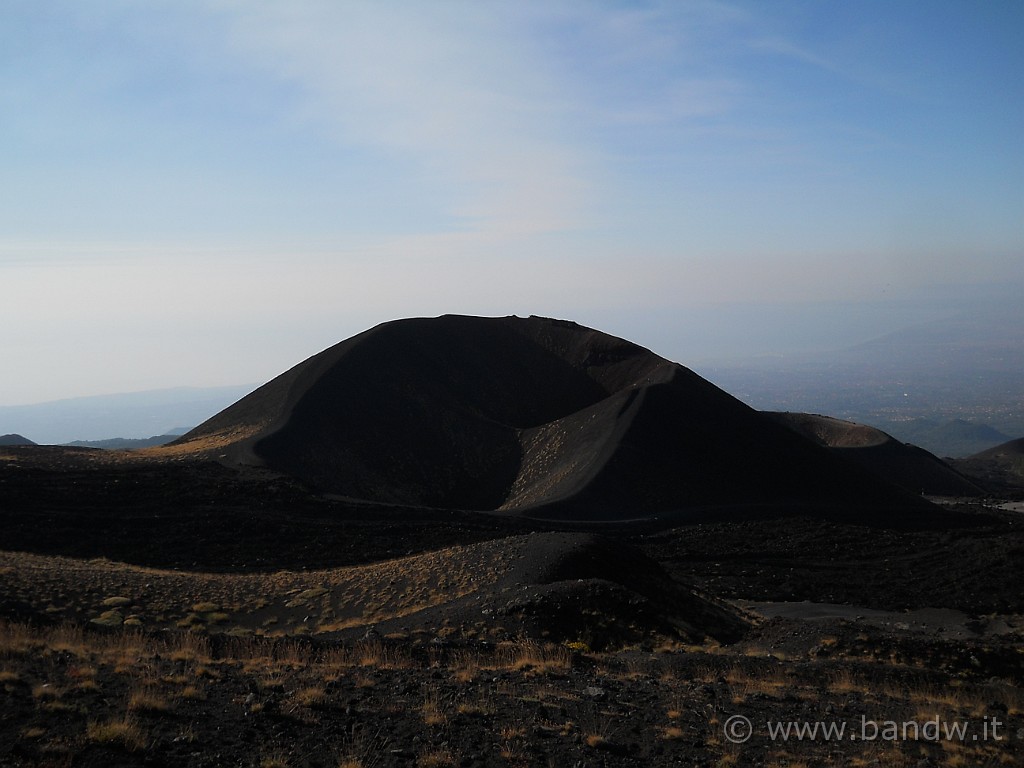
[631, 648]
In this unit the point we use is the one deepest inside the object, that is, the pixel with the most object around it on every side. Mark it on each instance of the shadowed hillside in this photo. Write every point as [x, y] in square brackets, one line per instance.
[539, 580]
[523, 415]
[1000, 468]
[956, 437]
[15, 440]
[907, 466]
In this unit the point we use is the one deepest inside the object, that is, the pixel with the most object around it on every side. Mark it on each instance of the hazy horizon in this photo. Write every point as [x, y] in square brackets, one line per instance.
[206, 192]
[958, 365]
[695, 338]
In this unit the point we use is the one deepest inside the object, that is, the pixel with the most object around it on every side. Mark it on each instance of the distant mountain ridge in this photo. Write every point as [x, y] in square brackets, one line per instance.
[951, 386]
[956, 438]
[126, 443]
[131, 415]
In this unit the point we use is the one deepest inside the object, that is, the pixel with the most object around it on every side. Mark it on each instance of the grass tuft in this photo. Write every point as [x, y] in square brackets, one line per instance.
[123, 733]
[309, 697]
[147, 700]
[433, 710]
[438, 758]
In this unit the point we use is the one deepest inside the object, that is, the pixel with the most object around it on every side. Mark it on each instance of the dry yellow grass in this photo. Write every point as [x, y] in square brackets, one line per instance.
[672, 732]
[481, 705]
[46, 692]
[526, 654]
[744, 683]
[433, 710]
[149, 700]
[509, 732]
[193, 693]
[845, 681]
[466, 666]
[286, 602]
[437, 758]
[125, 733]
[296, 673]
[377, 654]
[198, 446]
[190, 647]
[312, 696]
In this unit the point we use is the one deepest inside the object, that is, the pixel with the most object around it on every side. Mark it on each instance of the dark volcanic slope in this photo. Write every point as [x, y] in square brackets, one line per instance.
[14, 440]
[908, 466]
[1014, 449]
[1001, 467]
[523, 414]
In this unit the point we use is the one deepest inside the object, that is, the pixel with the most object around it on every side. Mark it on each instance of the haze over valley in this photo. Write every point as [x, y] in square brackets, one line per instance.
[951, 384]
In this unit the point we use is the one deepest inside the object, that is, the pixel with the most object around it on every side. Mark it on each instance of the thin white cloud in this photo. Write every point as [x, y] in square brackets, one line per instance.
[848, 66]
[447, 86]
[788, 49]
[216, 185]
[681, 100]
[653, 63]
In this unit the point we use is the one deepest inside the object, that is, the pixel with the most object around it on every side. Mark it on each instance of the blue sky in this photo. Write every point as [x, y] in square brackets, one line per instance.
[205, 193]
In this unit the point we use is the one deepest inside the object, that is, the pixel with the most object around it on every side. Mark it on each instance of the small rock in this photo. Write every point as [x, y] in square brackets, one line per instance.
[111, 618]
